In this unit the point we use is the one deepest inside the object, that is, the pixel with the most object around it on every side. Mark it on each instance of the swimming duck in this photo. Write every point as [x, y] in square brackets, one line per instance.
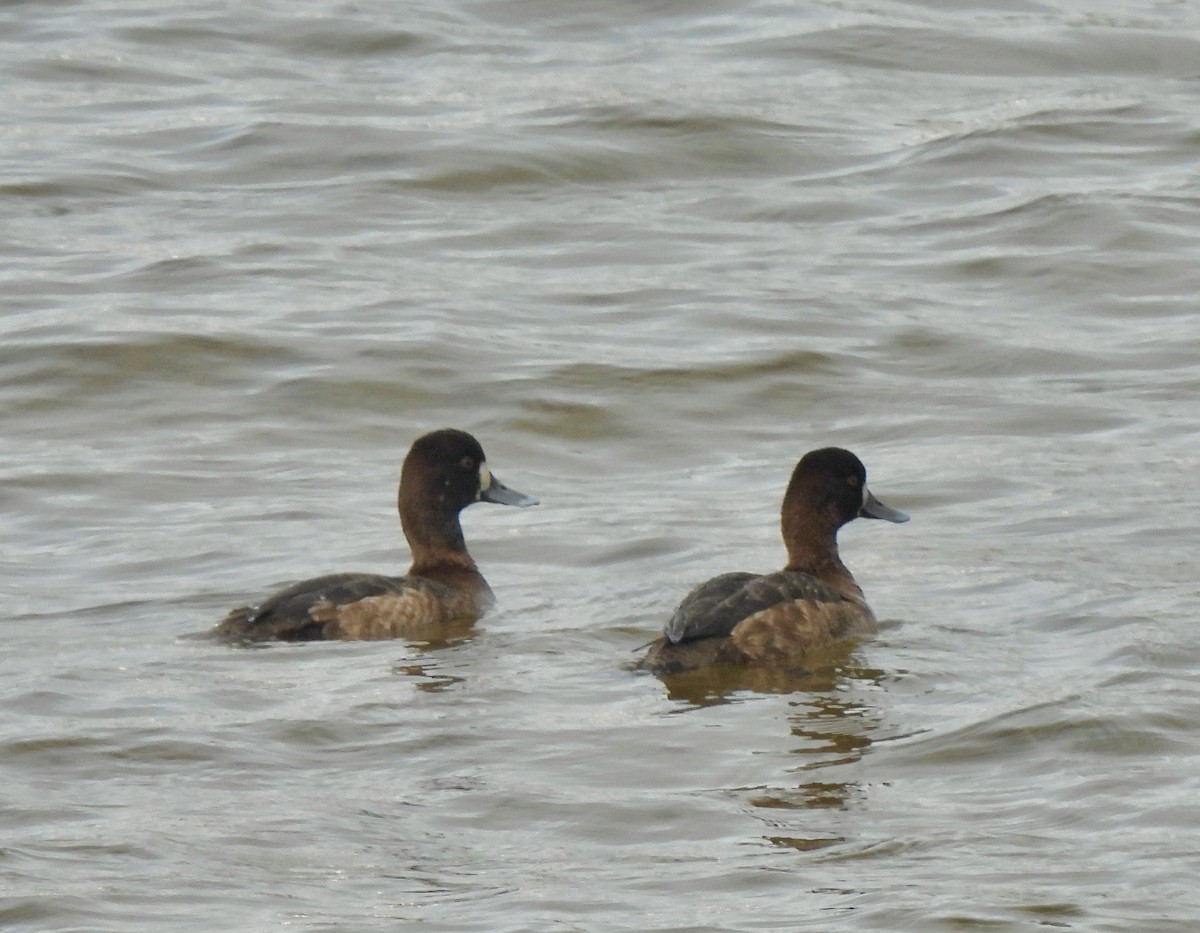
[444, 472]
[747, 618]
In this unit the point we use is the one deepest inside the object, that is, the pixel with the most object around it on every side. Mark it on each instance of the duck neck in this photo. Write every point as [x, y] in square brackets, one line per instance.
[439, 553]
[811, 541]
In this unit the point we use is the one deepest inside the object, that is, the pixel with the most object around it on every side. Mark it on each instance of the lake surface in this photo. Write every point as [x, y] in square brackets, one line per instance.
[649, 253]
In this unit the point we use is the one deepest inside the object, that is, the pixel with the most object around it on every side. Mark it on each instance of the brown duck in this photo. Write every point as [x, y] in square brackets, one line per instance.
[748, 618]
[444, 472]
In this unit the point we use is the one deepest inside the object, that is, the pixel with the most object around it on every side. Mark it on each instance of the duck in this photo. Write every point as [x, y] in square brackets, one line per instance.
[444, 472]
[762, 619]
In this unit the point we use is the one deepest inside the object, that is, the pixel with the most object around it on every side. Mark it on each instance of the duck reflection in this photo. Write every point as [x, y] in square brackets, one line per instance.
[818, 671]
[829, 717]
[836, 730]
[428, 680]
[424, 670]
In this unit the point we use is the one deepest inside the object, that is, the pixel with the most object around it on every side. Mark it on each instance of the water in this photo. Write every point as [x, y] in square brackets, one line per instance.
[649, 254]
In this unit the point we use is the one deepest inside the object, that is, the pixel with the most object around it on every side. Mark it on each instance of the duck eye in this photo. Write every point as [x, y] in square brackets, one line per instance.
[467, 463]
[853, 481]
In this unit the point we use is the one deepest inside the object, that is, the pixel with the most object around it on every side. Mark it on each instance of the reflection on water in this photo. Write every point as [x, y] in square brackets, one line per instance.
[834, 729]
[836, 726]
[804, 844]
[426, 677]
[819, 671]
[830, 713]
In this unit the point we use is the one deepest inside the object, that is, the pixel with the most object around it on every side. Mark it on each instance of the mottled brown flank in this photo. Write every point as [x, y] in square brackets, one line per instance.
[789, 629]
[783, 632]
[416, 613]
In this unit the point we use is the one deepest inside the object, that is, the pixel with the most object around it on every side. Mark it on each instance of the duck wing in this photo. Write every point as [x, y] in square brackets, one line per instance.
[697, 617]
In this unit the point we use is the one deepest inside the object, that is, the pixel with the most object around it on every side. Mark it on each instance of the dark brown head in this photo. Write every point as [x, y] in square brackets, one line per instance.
[827, 490]
[444, 472]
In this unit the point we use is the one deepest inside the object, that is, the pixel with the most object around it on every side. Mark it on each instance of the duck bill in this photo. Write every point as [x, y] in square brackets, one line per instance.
[873, 508]
[497, 492]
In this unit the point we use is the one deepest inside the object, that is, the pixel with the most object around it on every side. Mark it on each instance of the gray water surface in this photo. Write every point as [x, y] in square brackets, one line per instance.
[650, 254]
